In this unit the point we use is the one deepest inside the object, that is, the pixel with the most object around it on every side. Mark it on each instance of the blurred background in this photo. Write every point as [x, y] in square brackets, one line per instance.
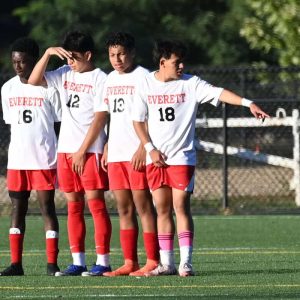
[250, 47]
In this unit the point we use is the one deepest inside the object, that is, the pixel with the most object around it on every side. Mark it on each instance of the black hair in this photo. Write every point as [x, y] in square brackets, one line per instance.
[79, 42]
[26, 45]
[124, 39]
[165, 48]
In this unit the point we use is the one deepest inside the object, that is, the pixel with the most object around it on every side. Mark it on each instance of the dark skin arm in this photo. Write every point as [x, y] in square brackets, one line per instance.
[57, 128]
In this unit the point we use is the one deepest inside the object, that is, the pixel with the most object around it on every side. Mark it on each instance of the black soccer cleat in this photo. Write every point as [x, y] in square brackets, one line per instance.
[52, 269]
[13, 270]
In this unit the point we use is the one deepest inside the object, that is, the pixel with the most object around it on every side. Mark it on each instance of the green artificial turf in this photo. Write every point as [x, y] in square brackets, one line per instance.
[235, 257]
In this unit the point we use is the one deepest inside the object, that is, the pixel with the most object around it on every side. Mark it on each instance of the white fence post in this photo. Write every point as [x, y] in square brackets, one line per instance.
[296, 154]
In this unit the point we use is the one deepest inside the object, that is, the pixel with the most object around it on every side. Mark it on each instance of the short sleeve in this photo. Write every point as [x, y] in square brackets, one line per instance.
[55, 104]
[206, 92]
[99, 103]
[139, 109]
[54, 78]
[5, 106]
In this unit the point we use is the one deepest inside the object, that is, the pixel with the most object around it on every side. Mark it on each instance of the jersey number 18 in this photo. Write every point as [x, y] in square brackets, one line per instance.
[167, 114]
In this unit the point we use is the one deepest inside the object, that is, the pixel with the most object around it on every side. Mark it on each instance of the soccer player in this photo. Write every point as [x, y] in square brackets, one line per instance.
[80, 145]
[126, 158]
[33, 114]
[168, 100]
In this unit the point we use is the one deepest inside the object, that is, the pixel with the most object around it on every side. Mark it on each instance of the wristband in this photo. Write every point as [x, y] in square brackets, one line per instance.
[246, 102]
[149, 147]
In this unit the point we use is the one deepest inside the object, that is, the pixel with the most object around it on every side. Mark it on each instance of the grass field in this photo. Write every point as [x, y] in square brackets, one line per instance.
[235, 257]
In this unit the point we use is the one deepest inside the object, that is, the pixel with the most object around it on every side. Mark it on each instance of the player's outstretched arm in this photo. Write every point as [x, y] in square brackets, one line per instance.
[234, 99]
[37, 74]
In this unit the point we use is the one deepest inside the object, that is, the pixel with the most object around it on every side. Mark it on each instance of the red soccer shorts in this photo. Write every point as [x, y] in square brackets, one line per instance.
[27, 180]
[93, 177]
[122, 176]
[178, 177]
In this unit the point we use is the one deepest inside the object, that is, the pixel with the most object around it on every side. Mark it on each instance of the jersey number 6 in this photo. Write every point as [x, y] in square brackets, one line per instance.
[25, 116]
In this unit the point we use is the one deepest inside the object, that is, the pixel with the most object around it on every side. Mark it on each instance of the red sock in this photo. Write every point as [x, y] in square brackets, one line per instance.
[16, 247]
[128, 239]
[76, 226]
[102, 225]
[52, 250]
[151, 245]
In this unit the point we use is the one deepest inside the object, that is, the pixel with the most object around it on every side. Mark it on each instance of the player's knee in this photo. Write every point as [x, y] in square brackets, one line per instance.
[181, 210]
[47, 211]
[20, 195]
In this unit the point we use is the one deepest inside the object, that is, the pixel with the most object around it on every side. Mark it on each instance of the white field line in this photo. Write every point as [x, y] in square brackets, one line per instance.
[180, 286]
[196, 251]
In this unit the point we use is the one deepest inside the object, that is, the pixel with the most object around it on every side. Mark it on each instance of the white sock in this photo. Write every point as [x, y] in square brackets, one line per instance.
[186, 254]
[79, 259]
[51, 234]
[14, 230]
[167, 257]
[103, 260]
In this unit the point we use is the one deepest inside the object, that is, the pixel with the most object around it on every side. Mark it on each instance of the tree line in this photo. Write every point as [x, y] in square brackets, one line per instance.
[217, 32]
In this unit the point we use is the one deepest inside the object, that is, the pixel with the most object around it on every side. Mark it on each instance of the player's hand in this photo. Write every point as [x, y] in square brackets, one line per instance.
[158, 158]
[258, 112]
[104, 158]
[138, 160]
[78, 162]
[60, 52]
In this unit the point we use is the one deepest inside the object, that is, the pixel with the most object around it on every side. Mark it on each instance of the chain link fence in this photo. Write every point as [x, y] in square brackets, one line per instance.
[243, 167]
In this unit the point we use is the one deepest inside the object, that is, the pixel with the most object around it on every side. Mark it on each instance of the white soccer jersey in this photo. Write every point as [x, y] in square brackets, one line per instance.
[80, 94]
[119, 90]
[170, 109]
[31, 111]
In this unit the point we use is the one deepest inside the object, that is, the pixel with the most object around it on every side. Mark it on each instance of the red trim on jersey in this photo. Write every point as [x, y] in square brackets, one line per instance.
[122, 176]
[178, 177]
[93, 177]
[27, 180]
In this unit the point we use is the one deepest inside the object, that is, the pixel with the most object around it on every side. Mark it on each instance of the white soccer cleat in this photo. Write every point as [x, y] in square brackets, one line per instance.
[162, 270]
[185, 270]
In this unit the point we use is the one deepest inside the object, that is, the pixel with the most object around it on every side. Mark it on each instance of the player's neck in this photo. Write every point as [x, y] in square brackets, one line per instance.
[88, 68]
[23, 80]
[161, 76]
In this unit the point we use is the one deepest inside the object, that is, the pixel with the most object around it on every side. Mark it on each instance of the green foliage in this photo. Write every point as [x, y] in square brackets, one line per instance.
[210, 28]
[273, 27]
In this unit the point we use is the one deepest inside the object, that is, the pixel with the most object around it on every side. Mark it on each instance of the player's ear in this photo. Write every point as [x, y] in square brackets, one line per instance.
[88, 55]
[162, 62]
